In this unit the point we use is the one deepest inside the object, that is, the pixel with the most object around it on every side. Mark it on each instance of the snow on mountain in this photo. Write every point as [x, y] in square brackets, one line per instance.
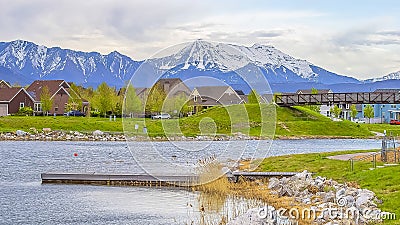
[277, 66]
[390, 76]
[225, 62]
[86, 68]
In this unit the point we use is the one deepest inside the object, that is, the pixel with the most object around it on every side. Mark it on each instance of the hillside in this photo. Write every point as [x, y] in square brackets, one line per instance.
[291, 122]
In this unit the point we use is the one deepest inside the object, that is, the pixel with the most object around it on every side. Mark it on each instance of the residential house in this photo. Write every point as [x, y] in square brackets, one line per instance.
[171, 86]
[208, 96]
[60, 92]
[12, 99]
[325, 109]
[383, 113]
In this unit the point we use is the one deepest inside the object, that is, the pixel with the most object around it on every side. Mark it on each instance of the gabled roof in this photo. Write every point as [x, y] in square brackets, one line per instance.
[214, 92]
[8, 94]
[4, 84]
[215, 95]
[53, 85]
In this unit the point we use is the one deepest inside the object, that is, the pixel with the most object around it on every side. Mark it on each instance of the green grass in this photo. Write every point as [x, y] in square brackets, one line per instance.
[13, 123]
[394, 129]
[385, 182]
[247, 119]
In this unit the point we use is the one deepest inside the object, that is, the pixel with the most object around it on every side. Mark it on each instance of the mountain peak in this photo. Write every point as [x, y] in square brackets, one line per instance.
[40, 62]
[390, 76]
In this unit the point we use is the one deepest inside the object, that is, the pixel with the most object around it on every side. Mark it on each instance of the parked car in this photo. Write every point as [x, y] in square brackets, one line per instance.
[74, 113]
[394, 122]
[162, 116]
[358, 121]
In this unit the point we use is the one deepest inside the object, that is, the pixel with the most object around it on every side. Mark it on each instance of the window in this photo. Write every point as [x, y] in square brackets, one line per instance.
[37, 107]
[195, 98]
[21, 104]
[347, 106]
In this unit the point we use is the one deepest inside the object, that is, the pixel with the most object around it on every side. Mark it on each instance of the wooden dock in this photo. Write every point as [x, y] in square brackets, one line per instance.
[256, 175]
[119, 179]
[147, 180]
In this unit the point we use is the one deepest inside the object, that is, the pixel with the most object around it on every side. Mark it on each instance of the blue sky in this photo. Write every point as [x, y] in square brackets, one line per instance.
[354, 38]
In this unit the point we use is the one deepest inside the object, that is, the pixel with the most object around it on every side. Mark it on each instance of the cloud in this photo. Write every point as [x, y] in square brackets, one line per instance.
[141, 28]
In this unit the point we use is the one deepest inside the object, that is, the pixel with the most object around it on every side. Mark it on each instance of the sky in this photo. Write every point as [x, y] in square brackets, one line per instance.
[354, 38]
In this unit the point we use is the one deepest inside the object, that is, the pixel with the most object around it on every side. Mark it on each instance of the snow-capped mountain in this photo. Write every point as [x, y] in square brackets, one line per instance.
[390, 76]
[22, 62]
[223, 61]
[32, 61]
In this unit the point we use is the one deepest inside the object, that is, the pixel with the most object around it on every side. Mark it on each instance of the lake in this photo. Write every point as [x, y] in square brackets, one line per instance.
[24, 200]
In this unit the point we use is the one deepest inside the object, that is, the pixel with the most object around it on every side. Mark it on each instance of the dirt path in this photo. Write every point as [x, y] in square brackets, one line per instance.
[349, 156]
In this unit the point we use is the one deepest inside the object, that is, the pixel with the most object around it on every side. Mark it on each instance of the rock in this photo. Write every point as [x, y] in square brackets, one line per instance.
[46, 130]
[303, 175]
[98, 133]
[20, 133]
[363, 200]
[329, 197]
[274, 184]
[340, 193]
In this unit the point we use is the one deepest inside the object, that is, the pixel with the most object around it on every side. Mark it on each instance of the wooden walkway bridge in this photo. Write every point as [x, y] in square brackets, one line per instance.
[287, 100]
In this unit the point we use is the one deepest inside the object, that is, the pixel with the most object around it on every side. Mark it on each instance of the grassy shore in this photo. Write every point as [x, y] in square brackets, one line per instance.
[290, 122]
[383, 181]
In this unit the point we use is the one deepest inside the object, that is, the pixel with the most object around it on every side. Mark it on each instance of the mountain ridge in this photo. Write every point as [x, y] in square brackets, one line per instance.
[23, 61]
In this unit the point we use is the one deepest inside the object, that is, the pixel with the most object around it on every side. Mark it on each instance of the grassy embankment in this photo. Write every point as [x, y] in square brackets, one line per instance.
[383, 181]
[290, 122]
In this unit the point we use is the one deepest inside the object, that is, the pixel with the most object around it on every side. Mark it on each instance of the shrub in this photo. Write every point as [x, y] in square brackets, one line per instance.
[25, 111]
[94, 113]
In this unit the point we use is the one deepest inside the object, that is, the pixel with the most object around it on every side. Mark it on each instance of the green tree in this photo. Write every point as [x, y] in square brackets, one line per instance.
[336, 111]
[75, 100]
[369, 112]
[177, 105]
[104, 99]
[155, 99]
[353, 111]
[45, 99]
[132, 102]
[254, 97]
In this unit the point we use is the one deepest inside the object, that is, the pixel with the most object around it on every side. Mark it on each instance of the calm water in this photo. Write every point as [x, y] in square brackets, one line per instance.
[24, 200]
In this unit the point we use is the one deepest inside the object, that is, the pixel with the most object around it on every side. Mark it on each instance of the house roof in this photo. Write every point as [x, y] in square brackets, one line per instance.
[8, 94]
[4, 84]
[139, 91]
[309, 91]
[216, 95]
[214, 92]
[382, 90]
[54, 85]
[239, 92]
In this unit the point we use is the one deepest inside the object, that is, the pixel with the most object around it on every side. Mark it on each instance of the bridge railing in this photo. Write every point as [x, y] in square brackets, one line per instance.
[338, 98]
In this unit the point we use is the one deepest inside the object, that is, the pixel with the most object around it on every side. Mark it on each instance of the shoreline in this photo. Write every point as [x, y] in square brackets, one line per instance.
[120, 136]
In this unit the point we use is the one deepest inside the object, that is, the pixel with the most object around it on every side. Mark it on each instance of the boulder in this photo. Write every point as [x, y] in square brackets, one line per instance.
[20, 133]
[46, 130]
[98, 133]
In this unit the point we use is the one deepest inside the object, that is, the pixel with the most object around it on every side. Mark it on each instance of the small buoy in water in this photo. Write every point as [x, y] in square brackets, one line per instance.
[75, 154]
